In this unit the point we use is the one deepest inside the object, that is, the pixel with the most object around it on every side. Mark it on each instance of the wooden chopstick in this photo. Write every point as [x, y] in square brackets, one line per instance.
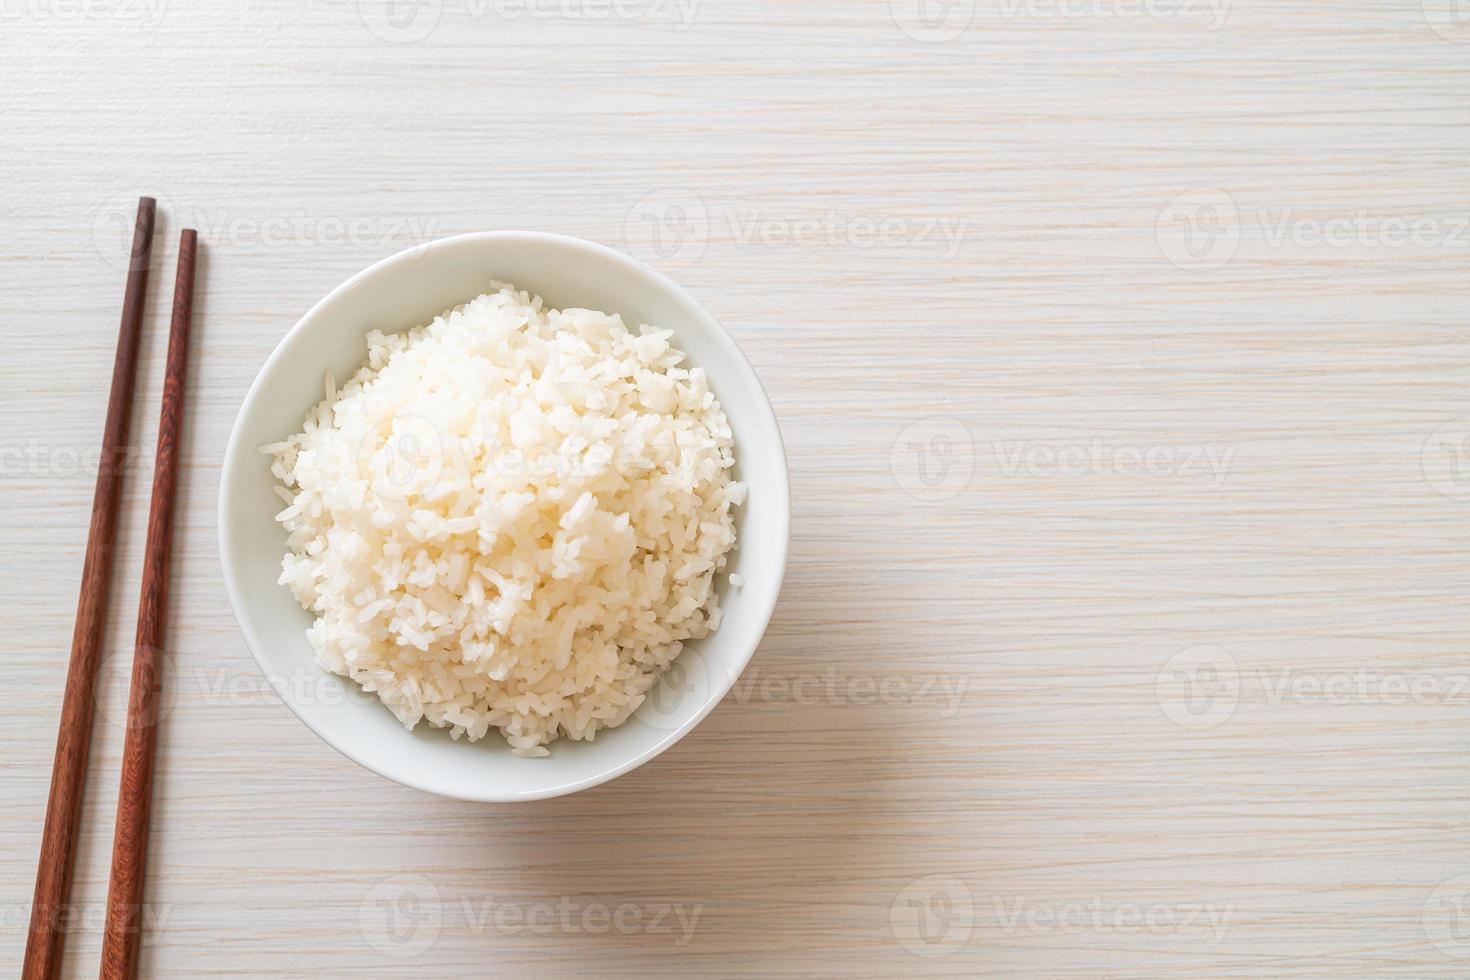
[47, 935]
[123, 931]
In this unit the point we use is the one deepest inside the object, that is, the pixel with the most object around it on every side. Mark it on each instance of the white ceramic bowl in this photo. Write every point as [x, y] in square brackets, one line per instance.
[411, 288]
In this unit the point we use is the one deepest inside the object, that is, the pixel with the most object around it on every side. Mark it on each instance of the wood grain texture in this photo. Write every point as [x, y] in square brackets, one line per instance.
[1124, 628]
[124, 928]
[47, 939]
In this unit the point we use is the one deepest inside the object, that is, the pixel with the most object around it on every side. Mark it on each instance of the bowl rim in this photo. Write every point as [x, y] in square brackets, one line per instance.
[418, 253]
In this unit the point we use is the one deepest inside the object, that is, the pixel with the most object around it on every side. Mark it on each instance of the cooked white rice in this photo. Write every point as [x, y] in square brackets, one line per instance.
[511, 517]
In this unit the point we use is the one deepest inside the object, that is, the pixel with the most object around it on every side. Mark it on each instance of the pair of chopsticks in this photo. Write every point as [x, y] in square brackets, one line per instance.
[49, 909]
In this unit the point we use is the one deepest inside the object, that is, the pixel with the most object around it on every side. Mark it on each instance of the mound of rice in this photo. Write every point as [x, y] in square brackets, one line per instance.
[510, 518]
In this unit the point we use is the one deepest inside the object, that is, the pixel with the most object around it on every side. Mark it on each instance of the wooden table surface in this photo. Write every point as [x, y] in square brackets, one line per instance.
[1120, 351]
